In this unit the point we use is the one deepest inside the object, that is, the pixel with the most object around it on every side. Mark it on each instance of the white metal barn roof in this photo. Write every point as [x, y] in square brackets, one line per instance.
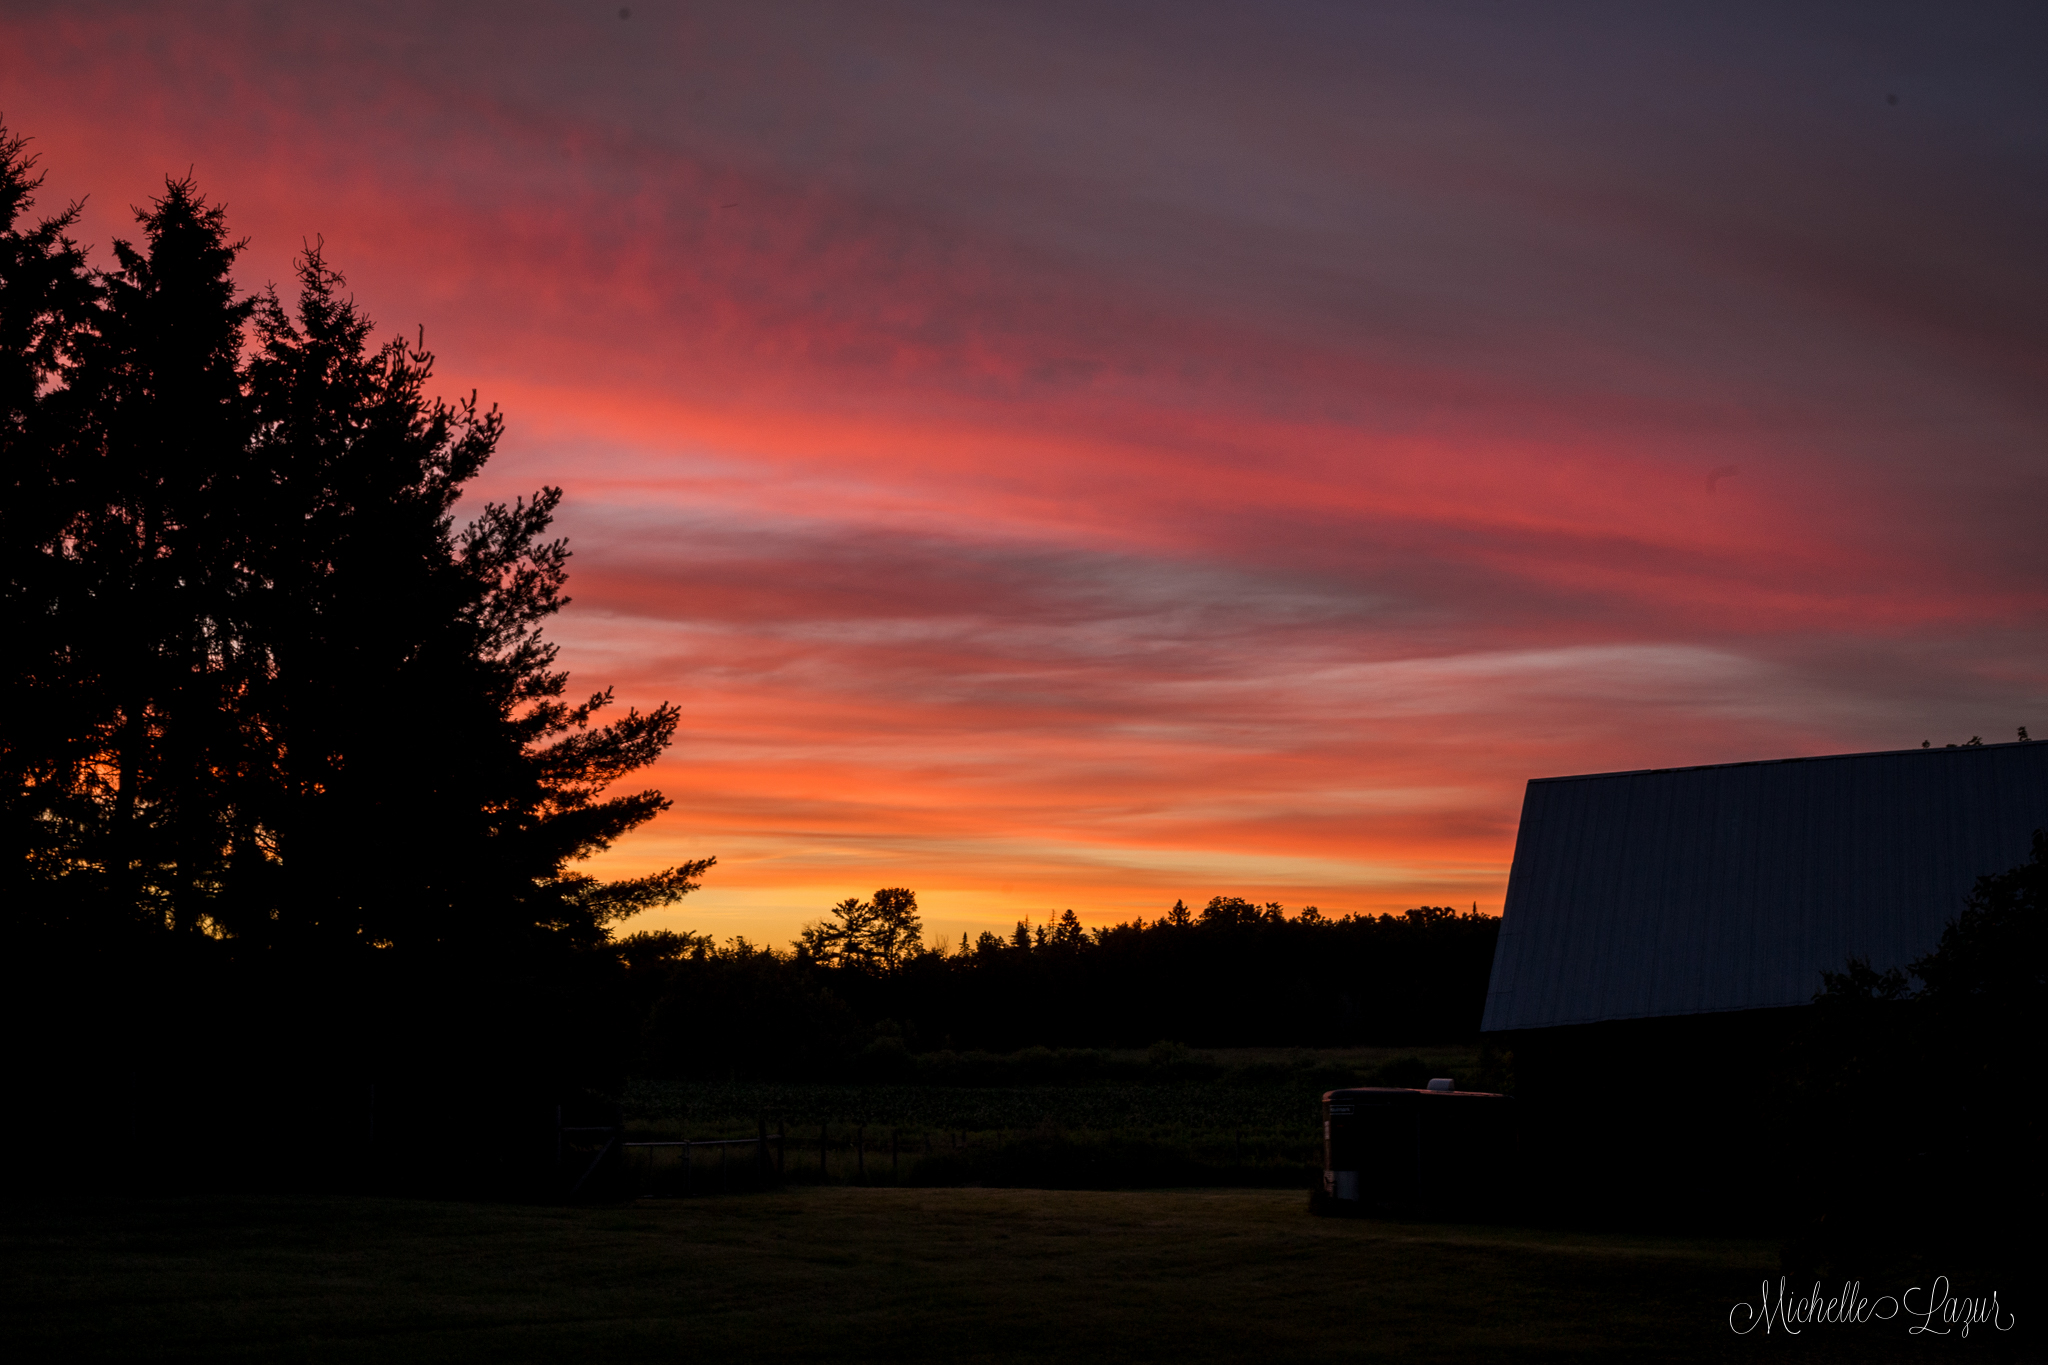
[1692, 890]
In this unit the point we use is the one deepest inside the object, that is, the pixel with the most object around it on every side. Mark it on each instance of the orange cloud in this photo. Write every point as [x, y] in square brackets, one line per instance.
[1058, 462]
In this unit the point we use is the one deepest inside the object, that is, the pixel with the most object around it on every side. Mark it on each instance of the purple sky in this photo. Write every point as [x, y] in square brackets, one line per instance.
[1087, 455]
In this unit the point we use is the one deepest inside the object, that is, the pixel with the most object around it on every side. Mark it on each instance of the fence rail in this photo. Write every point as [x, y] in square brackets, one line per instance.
[589, 1146]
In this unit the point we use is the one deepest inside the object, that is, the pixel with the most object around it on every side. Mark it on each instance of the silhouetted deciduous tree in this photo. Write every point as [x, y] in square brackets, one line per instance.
[877, 936]
[1888, 1079]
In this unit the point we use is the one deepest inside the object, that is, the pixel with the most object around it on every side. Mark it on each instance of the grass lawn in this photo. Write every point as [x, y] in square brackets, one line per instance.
[841, 1273]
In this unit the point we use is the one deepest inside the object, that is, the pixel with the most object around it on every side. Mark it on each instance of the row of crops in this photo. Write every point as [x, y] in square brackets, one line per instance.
[1178, 1099]
[700, 1111]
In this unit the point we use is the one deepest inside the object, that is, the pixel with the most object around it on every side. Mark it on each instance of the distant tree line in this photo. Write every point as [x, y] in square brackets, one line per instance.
[851, 998]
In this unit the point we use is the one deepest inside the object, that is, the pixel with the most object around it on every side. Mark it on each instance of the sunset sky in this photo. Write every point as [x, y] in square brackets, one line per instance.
[1087, 455]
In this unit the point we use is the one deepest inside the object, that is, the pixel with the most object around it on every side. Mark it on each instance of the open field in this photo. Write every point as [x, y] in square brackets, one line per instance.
[1105, 1119]
[1112, 1136]
[1223, 1089]
[824, 1274]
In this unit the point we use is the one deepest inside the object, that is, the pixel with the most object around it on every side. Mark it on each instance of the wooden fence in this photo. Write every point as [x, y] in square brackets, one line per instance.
[767, 1166]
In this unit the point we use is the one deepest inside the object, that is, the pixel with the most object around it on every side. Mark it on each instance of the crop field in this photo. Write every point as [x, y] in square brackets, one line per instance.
[848, 1274]
[1239, 1117]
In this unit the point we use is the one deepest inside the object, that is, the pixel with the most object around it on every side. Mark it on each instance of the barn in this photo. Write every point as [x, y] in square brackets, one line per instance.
[1666, 930]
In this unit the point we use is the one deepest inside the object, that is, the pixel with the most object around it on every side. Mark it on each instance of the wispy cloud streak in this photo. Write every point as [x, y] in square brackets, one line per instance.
[1061, 457]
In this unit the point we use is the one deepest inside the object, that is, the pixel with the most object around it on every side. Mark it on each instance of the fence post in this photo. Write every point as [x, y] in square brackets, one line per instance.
[893, 1134]
[822, 1173]
[612, 1136]
[761, 1151]
[781, 1149]
[860, 1155]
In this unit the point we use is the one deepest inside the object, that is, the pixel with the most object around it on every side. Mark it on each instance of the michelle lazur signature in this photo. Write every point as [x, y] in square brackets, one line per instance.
[1778, 1310]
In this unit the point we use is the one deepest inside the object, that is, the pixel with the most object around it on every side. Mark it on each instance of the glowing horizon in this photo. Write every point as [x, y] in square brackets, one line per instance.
[1065, 459]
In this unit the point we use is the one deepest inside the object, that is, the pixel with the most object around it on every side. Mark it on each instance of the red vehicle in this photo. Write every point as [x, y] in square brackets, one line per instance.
[1437, 1151]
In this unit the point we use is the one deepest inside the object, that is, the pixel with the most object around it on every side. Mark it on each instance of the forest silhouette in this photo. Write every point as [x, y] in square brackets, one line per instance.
[1233, 974]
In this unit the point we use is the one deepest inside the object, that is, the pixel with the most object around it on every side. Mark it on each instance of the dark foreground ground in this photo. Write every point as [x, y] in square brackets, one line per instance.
[827, 1274]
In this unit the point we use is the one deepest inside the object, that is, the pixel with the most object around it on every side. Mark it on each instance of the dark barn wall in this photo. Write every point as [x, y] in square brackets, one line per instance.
[1696, 890]
[1663, 938]
[1676, 1122]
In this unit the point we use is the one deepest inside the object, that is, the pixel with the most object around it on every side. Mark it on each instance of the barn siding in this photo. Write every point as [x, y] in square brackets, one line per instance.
[1698, 890]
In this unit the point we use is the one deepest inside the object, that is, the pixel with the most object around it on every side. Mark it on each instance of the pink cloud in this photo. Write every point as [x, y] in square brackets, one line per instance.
[1078, 460]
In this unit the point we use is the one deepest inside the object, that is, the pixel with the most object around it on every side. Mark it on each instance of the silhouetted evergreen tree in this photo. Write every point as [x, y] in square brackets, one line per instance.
[416, 706]
[284, 745]
[50, 732]
[270, 692]
[158, 442]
